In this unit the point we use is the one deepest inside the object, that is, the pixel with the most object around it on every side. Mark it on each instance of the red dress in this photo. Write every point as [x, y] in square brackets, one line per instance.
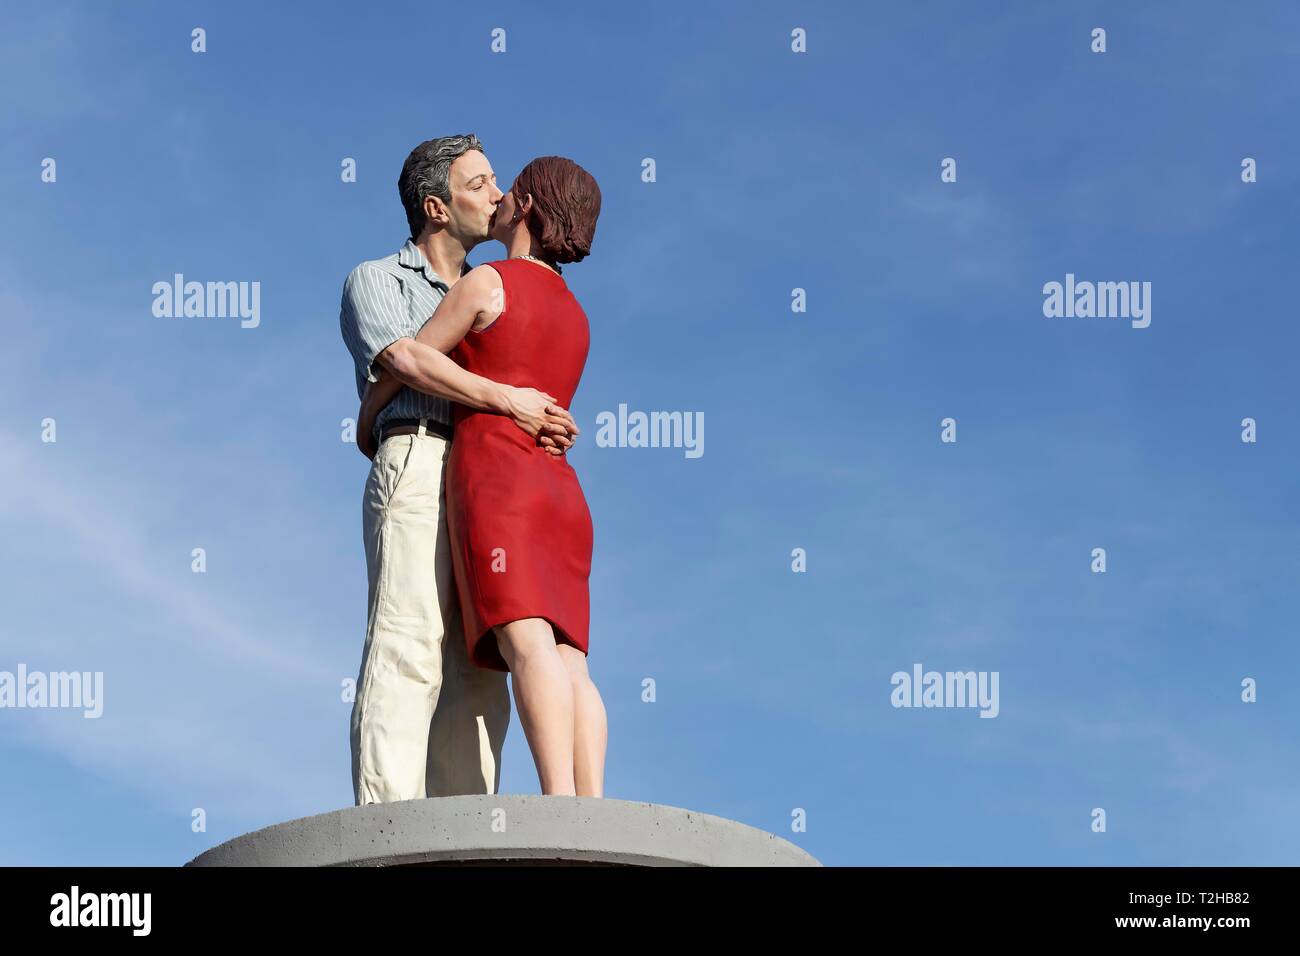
[519, 524]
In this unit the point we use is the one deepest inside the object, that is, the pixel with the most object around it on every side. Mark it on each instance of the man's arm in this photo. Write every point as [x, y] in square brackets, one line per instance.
[407, 362]
[473, 302]
[373, 322]
[425, 369]
[374, 300]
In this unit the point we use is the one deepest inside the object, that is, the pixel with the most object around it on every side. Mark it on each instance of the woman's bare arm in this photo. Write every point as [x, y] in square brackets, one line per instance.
[376, 398]
[421, 363]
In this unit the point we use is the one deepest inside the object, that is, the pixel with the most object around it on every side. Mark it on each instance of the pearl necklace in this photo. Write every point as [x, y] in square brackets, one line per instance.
[555, 268]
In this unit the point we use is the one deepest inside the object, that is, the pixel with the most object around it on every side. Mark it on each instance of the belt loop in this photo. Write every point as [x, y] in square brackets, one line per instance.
[421, 431]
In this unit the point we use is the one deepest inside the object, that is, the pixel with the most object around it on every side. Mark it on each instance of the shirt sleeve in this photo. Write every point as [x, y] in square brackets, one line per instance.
[372, 316]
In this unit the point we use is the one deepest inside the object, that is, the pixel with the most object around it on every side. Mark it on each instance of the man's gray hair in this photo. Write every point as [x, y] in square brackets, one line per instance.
[426, 171]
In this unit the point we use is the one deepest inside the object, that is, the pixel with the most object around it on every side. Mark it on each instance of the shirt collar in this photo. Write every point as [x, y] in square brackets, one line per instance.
[411, 257]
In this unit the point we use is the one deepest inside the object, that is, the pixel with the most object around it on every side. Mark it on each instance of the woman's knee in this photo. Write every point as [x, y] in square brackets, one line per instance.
[574, 661]
[525, 639]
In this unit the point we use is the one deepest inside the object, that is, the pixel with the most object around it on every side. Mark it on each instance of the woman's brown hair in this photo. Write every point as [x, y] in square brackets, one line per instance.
[566, 203]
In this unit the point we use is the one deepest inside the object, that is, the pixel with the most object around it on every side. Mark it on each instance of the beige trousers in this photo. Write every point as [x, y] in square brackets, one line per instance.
[425, 721]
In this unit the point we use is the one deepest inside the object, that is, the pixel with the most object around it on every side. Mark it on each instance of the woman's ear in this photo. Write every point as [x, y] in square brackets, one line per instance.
[526, 205]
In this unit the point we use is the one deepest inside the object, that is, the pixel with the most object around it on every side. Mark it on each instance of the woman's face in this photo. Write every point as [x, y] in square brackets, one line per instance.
[503, 224]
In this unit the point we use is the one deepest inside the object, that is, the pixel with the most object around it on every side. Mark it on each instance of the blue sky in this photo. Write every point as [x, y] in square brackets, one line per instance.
[774, 171]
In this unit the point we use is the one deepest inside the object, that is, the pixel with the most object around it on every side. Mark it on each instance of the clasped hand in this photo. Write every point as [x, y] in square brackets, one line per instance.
[538, 413]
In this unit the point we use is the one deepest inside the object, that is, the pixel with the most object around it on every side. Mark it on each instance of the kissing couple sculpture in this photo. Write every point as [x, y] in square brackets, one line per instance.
[477, 535]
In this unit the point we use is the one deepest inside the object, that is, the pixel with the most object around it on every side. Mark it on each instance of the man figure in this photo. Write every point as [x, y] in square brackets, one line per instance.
[425, 721]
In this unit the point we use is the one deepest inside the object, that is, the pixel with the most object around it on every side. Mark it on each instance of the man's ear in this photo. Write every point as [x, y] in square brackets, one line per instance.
[435, 211]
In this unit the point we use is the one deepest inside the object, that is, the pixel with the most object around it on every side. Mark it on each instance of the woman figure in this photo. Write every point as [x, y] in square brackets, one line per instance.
[518, 522]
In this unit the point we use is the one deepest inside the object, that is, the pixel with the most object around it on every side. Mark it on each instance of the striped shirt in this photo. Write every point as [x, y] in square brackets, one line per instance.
[385, 300]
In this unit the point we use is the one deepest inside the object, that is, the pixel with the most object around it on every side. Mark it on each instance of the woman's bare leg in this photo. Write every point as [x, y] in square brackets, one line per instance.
[543, 697]
[589, 725]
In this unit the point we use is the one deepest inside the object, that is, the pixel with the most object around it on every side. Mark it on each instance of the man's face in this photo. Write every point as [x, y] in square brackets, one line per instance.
[474, 198]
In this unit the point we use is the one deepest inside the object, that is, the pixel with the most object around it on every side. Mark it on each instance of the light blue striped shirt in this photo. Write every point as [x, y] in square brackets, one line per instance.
[385, 300]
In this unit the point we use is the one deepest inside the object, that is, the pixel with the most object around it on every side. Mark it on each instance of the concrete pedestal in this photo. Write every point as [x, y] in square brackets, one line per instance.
[508, 830]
